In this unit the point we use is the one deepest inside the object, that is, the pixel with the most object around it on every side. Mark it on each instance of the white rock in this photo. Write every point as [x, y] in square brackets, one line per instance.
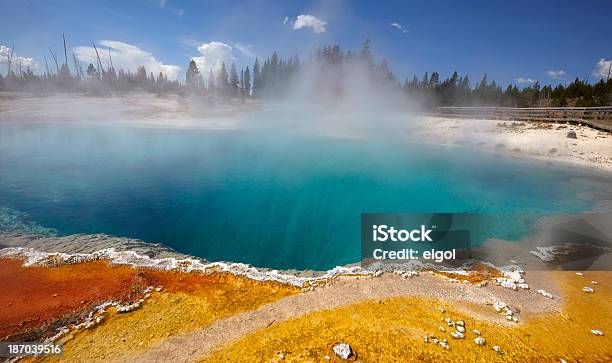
[410, 274]
[479, 341]
[457, 335]
[477, 332]
[597, 332]
[594, 282]
[545, 294]
[343, 350]
[442, 310]
[497, 348]
[579, 273]
[460, 329]
[588, 289]
[498, 306]
[460, 322]
[441, 328]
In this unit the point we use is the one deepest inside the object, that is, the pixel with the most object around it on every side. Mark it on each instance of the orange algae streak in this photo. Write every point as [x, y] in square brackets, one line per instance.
[37, 300]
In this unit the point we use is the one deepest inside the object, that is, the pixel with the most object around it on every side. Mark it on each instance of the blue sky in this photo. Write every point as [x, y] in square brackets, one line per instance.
[509, 40]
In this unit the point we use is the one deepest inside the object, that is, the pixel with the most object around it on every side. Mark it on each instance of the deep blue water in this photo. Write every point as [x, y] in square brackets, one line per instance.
[281, 200]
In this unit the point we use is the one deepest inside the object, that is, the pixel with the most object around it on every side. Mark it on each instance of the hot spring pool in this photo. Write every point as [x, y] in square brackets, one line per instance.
[287, 200]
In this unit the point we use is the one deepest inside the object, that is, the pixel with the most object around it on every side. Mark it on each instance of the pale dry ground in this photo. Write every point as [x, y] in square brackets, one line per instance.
[203, 342]
[545, 141]
[134, 109]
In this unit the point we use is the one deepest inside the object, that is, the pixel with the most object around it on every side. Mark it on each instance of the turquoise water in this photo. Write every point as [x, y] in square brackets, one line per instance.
[282, 200]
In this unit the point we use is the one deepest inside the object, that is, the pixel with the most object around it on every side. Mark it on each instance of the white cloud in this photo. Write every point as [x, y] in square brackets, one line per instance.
[400, 27]
[556, 74]
[25, 62]
[525, 80]
[285, 20]
[126, 56]
[178, 11]
[213, 54]
[602, 69]
[309, 21]
[246, 49]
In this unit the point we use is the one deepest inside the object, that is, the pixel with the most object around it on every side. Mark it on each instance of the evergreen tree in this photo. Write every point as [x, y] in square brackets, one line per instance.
[434, 81]
[234, 82]
[141, 76]
[92, 72]
[241, 87]
[425, 80]
[192, 75]
[256, 78]
[366, 53]
[222, 82]
[247, 81]
[211, 83]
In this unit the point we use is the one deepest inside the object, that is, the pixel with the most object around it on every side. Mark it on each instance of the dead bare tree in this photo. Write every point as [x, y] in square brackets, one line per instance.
[99, 61]
[10, 60]
[65, 53]
[47, 67]
[110, 59]
[77, 66]
[55, 60]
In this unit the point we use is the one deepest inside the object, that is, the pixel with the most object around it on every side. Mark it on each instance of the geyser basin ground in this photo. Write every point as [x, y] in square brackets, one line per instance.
[283, 199]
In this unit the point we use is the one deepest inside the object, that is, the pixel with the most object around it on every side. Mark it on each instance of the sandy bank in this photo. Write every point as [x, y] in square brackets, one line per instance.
[543, 141]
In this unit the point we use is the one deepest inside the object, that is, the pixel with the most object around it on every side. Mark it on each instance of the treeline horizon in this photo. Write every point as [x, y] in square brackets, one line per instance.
[274, 78]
